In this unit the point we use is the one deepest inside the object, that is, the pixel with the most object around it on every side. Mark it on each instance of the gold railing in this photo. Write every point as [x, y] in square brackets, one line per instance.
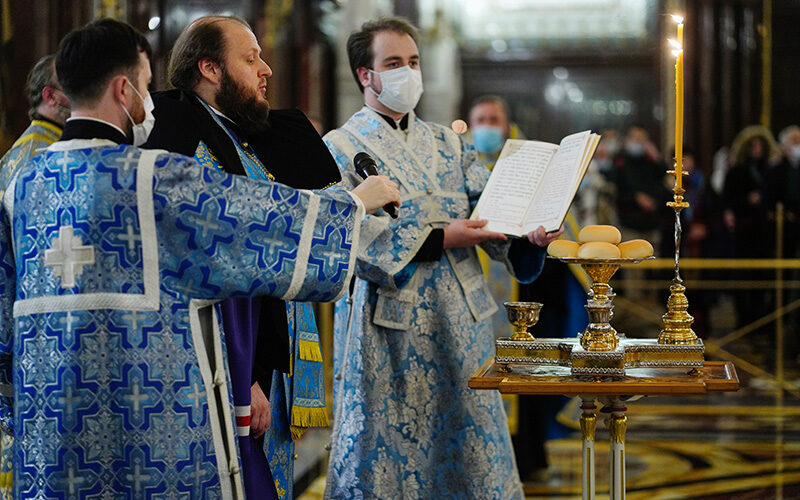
[719, 346]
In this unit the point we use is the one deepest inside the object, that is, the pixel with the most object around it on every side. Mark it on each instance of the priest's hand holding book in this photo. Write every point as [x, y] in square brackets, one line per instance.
[467, 232]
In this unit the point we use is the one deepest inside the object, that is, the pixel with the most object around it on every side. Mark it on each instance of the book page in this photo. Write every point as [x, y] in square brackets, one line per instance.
[591, 146]
[558, 183]
[507, 195]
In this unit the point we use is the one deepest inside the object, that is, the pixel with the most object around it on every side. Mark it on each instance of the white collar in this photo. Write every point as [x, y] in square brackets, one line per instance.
[220, 113]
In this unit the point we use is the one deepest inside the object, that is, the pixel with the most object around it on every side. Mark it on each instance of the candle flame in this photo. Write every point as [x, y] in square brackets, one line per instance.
[678, 19]
[676, 53]
[675, 44]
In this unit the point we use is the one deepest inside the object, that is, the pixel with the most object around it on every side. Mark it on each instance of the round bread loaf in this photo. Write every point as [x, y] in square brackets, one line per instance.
[609, 234]
[563, 248]
[598, 250]
[635, 249]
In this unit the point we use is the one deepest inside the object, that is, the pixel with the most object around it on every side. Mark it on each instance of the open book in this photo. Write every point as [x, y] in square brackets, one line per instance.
[533, 183]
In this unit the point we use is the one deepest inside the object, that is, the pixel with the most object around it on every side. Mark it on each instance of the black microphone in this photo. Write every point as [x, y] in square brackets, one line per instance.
[365, 166]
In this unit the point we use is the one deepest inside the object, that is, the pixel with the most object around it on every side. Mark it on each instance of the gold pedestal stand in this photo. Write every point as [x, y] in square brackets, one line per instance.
[677, 320]
[599, 335]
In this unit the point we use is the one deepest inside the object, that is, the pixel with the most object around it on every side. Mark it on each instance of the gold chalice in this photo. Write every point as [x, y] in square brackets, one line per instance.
[522, 315]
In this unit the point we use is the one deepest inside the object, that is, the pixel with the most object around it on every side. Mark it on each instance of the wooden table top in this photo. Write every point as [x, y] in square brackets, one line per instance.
[712, 377]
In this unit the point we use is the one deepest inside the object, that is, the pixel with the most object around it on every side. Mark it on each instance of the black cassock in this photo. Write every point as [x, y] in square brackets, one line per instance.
[291, 150]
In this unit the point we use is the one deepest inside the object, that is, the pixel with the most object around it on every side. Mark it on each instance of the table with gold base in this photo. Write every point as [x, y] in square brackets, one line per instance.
[713, 376]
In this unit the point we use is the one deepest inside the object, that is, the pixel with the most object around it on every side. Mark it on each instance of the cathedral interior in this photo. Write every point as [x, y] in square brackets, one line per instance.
[564, 66]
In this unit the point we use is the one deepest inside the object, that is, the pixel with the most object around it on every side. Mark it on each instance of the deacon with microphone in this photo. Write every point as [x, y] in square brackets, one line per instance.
[418, 322]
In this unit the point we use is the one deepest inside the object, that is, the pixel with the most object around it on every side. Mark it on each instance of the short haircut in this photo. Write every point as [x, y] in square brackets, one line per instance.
[635, 126]
[492, 99]
[359, 43]
[203, 39]
[783, 137]
[90, 56]
[42, 75]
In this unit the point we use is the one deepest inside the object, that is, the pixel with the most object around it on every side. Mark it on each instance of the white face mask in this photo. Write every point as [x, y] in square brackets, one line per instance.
[401, 88]
[794, 152]
[141, 131]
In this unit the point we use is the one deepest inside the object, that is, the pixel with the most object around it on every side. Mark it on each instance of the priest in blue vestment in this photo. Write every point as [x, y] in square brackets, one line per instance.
[112, 259]
[418, 323]
[219, 85]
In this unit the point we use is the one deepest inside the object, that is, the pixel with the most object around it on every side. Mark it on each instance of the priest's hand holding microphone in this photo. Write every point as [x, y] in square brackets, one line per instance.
[376, 191]
[365, 167]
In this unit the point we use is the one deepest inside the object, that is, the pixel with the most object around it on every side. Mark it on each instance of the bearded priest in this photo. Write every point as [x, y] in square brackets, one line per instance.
[219, 114]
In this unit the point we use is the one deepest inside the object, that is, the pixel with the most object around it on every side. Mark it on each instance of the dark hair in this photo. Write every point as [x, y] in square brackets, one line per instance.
[89, 57]
[42, 75]
[634, 125]
[494, 99]
[359, 43]
[203, 39]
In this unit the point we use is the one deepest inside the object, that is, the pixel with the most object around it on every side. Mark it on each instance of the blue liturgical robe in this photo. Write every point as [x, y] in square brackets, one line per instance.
[289, 151]
[406, 424]
[39, 134]
[112, 259]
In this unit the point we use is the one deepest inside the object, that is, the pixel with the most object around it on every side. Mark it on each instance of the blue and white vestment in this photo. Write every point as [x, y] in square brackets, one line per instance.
[111, 258]
[406, 424]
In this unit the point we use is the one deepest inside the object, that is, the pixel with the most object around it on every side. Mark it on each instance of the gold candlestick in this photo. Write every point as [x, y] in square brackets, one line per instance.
[677, 320]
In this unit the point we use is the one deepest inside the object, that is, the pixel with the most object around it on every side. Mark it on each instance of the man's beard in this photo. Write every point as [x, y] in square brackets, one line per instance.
[243, 107]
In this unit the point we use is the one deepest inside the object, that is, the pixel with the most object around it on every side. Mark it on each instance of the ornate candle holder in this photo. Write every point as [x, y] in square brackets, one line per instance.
[677, 320]
[522, 315]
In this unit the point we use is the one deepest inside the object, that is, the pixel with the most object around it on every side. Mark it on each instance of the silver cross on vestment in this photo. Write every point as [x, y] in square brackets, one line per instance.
[68, 256]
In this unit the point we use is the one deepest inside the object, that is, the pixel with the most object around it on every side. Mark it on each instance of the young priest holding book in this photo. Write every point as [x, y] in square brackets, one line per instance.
[417, 324]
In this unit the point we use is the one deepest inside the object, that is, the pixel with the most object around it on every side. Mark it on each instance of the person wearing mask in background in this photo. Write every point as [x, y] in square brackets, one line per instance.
[783, 186]
[594, 202]
[490, 125]
[49, 110]
[417, 324]
[641, 194]
[638, 177]
[745, 215]
[609, 142]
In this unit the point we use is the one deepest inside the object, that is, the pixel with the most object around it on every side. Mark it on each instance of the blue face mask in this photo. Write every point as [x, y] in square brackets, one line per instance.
[488, 139]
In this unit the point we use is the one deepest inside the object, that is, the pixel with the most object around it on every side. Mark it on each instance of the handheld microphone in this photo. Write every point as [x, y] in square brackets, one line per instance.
[365, 166]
